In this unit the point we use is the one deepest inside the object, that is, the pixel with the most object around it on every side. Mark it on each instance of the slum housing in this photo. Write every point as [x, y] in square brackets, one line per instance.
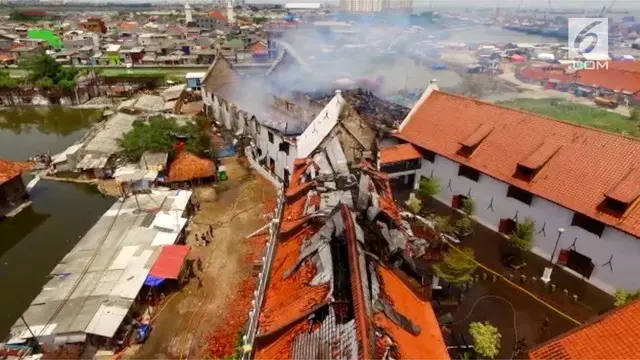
[103, 283]
[580, 185]
[12, 190]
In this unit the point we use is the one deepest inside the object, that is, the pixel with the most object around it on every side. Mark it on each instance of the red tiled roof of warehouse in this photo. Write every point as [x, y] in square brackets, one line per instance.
[429, 343]
[10, 169]
[633, 66]
[400, 152]
[218, 15]
[612, 79]
[589, 162]
[286, 298]
[612, 336]
[546, 73]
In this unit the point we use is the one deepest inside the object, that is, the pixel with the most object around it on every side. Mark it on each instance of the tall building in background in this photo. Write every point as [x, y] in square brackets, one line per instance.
[402, 6]
[361, 5]
[188, 17]
[405, 6]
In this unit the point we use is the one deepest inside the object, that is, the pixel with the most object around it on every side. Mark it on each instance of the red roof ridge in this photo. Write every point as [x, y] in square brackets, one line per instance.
[482, 102]
[584, 342]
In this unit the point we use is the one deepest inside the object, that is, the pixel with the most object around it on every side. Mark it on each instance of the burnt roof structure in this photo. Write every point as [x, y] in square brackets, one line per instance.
[331, 291]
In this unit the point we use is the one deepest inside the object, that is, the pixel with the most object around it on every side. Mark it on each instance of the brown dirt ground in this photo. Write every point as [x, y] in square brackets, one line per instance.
[236, 209]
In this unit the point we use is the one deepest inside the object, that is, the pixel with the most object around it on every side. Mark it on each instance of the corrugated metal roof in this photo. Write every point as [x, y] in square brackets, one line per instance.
[105, 141]
[107, 267]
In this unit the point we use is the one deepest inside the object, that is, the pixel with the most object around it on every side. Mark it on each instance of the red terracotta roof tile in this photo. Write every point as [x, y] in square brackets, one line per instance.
[627, 190]
[589, 163]
[547, 73]
[401, 152]
[479, 134]
[612, 79]
[540, 156]
[613, 336]
[218, 15]
[10, 169]
[188, 166]
[428, 344]
[633, 66]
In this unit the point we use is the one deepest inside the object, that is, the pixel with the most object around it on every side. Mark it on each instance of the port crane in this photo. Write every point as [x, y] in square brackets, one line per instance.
[606, 10]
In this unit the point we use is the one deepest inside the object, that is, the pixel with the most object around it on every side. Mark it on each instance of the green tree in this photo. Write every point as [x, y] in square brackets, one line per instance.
[442, 224]
[429, 187]
[415, 205]
[68, 85]
[523, 235]
[457, 266]
[8, 82]
[464, 227]
[469, 206]
[259, 19]
[159, 134]
[486, 339]
[634, 114]
[42, 66]
[624, 297]
[44, 82]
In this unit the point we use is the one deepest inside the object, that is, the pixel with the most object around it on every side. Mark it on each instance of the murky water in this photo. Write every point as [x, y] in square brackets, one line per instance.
[404, 73]
[33, 242]
[496, 34]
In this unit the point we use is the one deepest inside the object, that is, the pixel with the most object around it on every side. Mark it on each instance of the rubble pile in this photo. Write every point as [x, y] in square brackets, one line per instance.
[374, 110]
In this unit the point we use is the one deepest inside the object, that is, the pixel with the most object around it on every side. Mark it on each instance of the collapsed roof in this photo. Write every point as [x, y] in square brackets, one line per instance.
[331, 292]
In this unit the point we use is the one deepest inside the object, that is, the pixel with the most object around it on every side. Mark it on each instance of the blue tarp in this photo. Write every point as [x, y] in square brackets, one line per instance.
[226, 151]
[153, 281]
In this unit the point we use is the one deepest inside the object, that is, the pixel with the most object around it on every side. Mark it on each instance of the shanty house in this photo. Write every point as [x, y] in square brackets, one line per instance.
[12, 189]
[97, 152]
[580, 185]
[91, 292]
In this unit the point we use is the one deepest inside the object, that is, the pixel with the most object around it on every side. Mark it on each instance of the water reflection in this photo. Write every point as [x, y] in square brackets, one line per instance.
[27, 131]
[46, 120]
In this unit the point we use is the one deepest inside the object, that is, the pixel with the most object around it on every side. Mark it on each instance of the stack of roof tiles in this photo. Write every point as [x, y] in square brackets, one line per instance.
[326, 298]
[187, 166]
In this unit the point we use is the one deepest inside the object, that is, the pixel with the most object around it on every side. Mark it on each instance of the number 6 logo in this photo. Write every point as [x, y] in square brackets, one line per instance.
[585, 34]
[588, 36]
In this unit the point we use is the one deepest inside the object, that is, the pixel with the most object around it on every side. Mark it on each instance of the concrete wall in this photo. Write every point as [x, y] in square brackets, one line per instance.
[490, 191]
[228, 116]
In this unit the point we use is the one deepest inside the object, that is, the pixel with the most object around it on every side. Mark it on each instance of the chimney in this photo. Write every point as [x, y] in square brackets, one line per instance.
[433, 84]
[338, 92]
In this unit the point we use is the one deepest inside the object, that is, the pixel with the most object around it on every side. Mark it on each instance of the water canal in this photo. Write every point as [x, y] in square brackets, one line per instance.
[34, 241]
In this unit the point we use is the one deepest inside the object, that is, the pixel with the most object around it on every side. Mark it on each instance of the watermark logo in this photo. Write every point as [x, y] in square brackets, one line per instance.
[589, 38]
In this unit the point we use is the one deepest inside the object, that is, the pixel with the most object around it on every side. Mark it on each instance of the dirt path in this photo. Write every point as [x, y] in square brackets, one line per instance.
[235, 210]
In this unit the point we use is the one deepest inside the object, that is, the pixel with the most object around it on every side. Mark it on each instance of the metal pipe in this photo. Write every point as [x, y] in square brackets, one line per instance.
[560, 231]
